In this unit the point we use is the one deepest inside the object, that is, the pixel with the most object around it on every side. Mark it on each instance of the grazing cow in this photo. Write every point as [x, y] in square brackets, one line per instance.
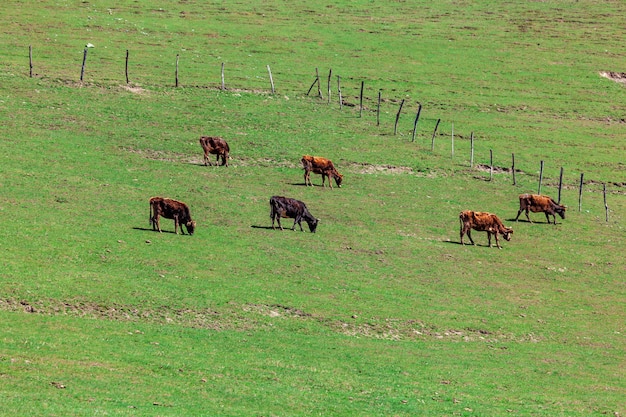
[293, 209]
[319, 165]
[171, 209]
[216, 146]
[540, 203]
[483, 222]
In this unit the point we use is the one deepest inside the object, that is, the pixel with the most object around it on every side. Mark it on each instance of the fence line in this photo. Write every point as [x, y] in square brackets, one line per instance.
[361, 98]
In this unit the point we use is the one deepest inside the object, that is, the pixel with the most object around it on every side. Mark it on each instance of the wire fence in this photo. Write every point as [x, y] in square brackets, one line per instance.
[331, 89]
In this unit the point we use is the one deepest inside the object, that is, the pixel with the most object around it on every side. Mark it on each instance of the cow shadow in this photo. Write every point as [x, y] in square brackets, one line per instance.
[512, 220]
[254, 226]
[458, 243]
[149, 229]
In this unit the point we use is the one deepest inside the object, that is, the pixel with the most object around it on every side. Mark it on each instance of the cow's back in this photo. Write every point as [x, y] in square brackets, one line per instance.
[479, 220]
[535, 200]
[317, 163]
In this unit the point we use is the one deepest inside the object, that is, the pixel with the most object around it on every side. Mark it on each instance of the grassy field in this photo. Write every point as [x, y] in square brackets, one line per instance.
[381, 312]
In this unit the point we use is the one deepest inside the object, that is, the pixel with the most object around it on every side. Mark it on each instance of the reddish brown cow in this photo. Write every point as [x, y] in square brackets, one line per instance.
[483, 222]
[171, 209]
[216, 146]
[293, 209]
[540, 203]
[323, 166]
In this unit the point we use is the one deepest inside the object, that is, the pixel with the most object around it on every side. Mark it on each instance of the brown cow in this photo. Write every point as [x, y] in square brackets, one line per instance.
[171, 209]
[540, 203]
[216, 146]
[483, 222]
[319, 165]
[293, 209]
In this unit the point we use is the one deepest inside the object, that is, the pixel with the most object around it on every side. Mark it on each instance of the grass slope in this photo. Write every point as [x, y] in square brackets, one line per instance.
[381, 312]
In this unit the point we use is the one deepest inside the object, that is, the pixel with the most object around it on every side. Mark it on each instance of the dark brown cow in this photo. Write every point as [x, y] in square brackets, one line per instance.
[540, 203]
[323, 166]
[293, 209]
[171, 209]
[483, 222]
[216, 146]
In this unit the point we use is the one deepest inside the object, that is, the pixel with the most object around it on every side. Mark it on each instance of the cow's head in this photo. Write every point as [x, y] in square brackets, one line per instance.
[338, 178]
[190, 225]
[506, 233]
[560, 210]
[313, 224]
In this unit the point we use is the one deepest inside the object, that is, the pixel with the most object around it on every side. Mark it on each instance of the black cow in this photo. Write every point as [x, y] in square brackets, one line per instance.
[293, 209]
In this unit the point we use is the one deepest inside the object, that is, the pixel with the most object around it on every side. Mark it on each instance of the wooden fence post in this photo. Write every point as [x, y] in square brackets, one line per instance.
[378, 109]
[432, 140]
[126, 66]
[271, 79]
[540, 177]
[395, 126]
[30, 59]
[580, 192]
[417, 117]
[606, 207]
[560, 185]
[316, 81]
[452, 141]
[339, 93]
[361, 99]
[177, 56]
[513, 167]
[319, 87]
[82, 69]
[330, 72]
[223, 85]
[472, 150]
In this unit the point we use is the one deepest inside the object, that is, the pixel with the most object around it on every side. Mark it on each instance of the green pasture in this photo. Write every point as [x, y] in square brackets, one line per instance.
[381, 312]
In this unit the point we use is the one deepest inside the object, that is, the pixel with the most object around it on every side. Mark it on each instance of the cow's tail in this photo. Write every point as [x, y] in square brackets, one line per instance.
[150, 221]
[272, 208]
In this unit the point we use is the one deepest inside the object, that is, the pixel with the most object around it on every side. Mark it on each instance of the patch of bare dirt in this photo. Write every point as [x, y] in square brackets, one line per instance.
[364, 168]
[496, 169]
[618, 77]
[134, 89]
[354, 167]
[255, 316]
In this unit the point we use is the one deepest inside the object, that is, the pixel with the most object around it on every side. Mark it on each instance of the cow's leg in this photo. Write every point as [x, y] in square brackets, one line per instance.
[497, 241]
[518, 213]
[157, 222]
[548, 217]
[469, 234]
[298, 221]
[306, 178]
[462, 233]
[527, 216]
[278, 220]
[176, 225]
